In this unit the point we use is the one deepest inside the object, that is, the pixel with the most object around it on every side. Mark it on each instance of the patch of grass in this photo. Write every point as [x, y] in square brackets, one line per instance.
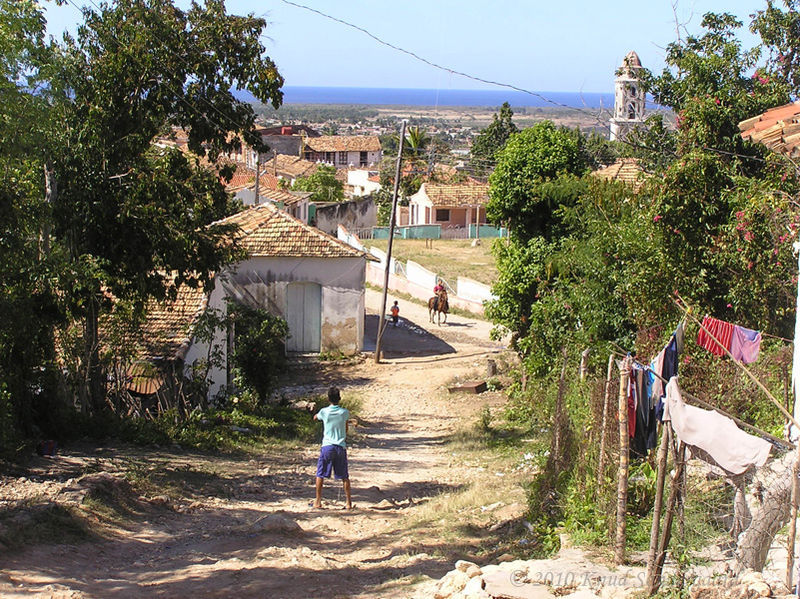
[449, 258]
[33, 524]
[230, 429]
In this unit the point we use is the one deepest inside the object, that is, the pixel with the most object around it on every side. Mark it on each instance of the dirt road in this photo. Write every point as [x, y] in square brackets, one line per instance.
[247, 530]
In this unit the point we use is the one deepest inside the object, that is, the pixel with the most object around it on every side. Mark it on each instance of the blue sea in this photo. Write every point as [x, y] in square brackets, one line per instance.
[438, 97]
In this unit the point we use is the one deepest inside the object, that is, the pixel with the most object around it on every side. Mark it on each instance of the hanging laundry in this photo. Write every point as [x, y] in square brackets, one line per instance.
[715, 436]
[657, 385]
[644, 437]
[745, 344]
[632, 401]
[665, 366]
[721, 330]
[669, 367]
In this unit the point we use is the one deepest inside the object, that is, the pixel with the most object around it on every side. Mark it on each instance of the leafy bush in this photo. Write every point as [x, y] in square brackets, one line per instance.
[259, 353]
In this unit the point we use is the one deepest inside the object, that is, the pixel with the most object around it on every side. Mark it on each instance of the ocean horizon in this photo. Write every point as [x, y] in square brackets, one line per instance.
[438, 97]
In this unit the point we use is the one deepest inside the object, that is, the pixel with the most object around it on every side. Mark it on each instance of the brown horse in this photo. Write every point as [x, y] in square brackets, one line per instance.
[438, 304]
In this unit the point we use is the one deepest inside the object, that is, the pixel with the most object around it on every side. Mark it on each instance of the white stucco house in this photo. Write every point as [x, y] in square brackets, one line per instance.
[450, 205]
[362, 182]
[309, 278]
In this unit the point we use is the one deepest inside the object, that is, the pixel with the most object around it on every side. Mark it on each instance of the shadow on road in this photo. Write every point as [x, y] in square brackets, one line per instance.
[405, 339]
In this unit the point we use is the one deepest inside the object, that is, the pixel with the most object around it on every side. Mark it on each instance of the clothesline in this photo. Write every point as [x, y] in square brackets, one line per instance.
[708, 406]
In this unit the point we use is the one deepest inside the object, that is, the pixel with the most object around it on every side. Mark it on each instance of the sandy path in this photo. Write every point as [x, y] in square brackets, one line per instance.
[226, 546]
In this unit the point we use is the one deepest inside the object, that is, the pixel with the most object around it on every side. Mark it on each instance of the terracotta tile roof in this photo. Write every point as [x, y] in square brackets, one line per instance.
[626, 170]
[144, 378]
[243, 177]
[462, 194]
[777, 128]
[269, 181]
[289, 166]
[266, 231]
[282, 195]
[344, 143]
[287, 130]
[168, 327]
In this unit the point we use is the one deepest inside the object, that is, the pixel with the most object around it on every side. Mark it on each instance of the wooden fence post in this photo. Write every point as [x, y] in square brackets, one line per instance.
[669, 513]
[659, 501]
[601, 462]
[622, 477]
[790, 541]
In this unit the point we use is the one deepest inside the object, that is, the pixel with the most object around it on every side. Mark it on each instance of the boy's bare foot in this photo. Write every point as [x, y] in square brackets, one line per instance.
[316, 506]
[349, 506]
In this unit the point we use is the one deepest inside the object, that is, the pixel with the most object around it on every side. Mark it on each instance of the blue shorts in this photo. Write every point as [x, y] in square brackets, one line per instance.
[332, 457]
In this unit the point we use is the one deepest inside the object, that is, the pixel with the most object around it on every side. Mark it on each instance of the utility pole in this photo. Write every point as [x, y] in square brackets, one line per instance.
[392, 218]
[258, 174]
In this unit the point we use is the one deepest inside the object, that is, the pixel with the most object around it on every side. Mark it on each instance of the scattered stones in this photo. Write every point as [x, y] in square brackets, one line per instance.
[276, 523]
[463, 565]
[453, 582]
[473, 571]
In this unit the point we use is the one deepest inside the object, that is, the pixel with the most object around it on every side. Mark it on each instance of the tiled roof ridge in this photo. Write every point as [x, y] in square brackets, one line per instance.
[315, 231]
[276, 212]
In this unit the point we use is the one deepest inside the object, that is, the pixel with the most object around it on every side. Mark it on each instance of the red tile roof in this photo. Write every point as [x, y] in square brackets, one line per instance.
[344, 143]
[777, 128]
[282, 195]
[266, 231]
[242, 177]
[626, 170]
[288, 166]
[462, 194]
[167, 330]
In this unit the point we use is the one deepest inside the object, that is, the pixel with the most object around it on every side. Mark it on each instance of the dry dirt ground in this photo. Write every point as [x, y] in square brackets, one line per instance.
[243, 526]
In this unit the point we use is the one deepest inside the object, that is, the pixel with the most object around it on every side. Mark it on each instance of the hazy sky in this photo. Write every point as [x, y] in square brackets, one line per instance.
[574, 45]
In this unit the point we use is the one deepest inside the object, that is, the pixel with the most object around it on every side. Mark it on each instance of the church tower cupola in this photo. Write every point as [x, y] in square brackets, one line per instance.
[629, 98]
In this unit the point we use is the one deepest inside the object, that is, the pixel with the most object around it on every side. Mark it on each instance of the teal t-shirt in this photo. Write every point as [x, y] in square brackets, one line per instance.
[334, 418]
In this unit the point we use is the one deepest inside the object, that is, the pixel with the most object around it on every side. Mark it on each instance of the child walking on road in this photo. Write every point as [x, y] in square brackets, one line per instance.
[333, 455]
[395, 310]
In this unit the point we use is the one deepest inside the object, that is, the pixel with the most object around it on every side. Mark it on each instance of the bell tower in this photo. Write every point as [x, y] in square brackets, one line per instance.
[629, 98]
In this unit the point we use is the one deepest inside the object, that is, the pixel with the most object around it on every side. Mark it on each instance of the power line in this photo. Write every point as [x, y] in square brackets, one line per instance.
[425, 60]
[510, 86]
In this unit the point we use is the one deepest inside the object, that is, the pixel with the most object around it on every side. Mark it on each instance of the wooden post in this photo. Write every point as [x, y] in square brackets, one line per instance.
[257, 199]
[560, 416]
[790, 541]
[659, 501]
[601, 462]
[392, 221]
[622, 478]
[681, 501]
[666, 528]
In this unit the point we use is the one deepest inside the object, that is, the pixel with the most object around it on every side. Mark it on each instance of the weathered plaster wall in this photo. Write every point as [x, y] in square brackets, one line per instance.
[199, 350]
[263, 283]
[356, 214]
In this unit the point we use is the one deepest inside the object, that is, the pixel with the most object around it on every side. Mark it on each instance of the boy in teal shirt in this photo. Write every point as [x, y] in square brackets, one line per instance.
[333, 455]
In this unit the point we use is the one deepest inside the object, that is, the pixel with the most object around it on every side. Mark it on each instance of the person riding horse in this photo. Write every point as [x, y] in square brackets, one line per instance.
[437, 290]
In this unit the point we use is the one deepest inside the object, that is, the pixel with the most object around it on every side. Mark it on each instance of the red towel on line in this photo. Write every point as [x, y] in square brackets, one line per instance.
[720, 329]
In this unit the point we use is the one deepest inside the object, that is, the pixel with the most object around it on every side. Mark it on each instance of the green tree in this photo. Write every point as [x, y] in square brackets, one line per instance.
[490, 140]
[323, 185]
[519, 193]
[128, 212]
[30, 270]
[708, 83]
